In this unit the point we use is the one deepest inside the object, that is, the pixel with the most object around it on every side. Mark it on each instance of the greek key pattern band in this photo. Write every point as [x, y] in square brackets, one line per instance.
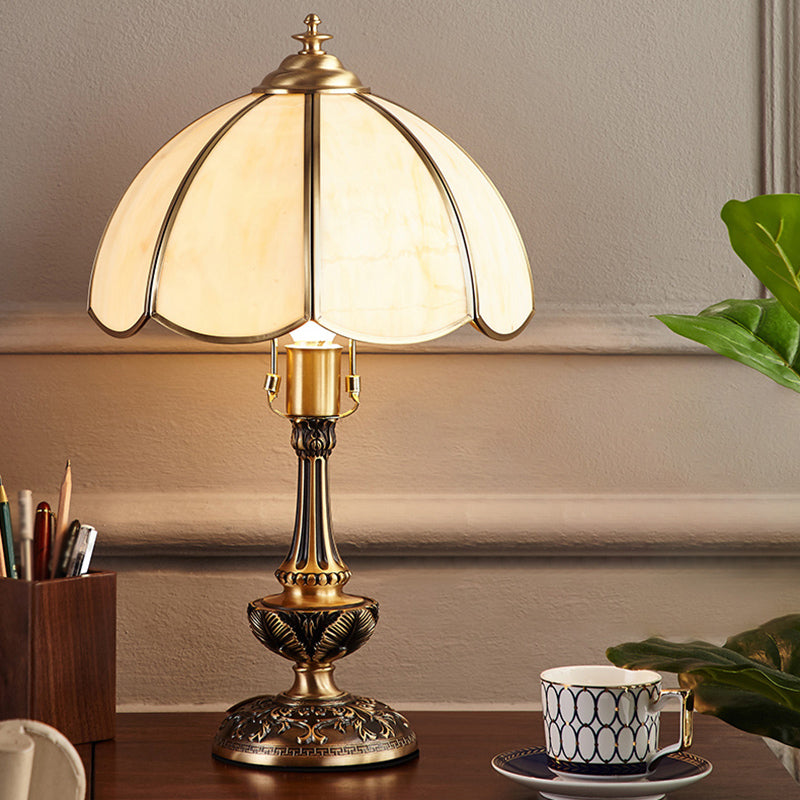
[322, 752]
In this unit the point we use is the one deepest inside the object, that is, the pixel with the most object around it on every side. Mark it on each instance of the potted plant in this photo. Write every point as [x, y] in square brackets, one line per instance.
[753, 681]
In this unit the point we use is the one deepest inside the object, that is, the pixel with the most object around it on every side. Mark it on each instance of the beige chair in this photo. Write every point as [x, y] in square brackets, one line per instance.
[37, 762]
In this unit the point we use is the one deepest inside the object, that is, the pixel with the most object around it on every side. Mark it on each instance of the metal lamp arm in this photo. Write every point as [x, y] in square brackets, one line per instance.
[352, 382]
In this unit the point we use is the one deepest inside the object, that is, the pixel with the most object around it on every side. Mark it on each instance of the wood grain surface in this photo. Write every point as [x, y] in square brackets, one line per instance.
[58, 653]
[169, 756]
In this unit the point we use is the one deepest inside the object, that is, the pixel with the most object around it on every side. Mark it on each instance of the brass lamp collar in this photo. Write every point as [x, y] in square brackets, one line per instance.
[312, 69]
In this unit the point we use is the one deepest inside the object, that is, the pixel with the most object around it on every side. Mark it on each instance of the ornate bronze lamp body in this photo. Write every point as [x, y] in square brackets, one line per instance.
[311, 199]
[312, 621]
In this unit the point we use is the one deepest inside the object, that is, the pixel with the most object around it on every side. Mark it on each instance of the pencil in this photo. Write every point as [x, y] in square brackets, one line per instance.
[62, 520]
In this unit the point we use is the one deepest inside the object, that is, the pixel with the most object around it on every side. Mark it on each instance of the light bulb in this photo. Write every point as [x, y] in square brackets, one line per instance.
[311, 333]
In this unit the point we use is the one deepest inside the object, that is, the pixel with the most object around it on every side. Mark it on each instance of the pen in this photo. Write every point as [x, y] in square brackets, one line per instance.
[86, 558]
[42, 530]
[26, 534]
[62, 518]
[81, 553]
[5, 531]
[51, 563]
[62, 560]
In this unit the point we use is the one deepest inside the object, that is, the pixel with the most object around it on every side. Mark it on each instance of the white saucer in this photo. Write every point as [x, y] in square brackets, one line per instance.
[528, 766]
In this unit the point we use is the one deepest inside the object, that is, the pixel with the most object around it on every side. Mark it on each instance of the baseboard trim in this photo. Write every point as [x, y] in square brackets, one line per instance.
[404, 707]
[203, 524]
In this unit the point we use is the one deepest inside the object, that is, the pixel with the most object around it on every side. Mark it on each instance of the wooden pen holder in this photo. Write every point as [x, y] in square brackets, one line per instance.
[58, 653]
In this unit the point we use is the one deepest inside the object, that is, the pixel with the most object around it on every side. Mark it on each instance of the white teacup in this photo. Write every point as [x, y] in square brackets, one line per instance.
[602, 721]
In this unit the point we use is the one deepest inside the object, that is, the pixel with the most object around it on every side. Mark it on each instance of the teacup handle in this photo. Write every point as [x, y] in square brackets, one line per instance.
[687, 706]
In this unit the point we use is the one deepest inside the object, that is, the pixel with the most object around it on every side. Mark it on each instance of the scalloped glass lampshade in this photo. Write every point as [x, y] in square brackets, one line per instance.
[329, 204]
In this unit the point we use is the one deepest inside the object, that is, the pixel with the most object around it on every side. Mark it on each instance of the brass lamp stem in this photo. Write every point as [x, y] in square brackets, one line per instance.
[313, 573]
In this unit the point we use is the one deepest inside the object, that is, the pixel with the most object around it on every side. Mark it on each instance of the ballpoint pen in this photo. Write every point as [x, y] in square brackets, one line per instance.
[8, 536]
[25, 534]
[42, 532]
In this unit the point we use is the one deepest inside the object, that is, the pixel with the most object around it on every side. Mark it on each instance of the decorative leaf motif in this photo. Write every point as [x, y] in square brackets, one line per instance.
[757, 333]
[272, 631]
[765, 233]
[752, 682]
[315, 636]
[346, 634]
[308, 628]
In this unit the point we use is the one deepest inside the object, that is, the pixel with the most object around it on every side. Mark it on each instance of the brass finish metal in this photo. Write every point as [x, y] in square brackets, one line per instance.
[312, 681]
[314, 724]
[273, 358]
[338, 632]
[352, 357]
[311, 226]
[323, 390]
[311, 39]
[312, 69]
[275, 731]
[687, 718]
[312, 573]
[353, 382]
[272, 383]
[312, 379]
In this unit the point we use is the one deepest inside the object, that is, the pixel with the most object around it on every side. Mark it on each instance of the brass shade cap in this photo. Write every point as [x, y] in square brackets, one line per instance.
[312, 69]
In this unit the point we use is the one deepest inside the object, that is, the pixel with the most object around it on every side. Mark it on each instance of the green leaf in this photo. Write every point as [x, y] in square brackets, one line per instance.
[765, 233]
[752, 683]
[775, 643]
[705, 662]
[747, 712]
[757, 333]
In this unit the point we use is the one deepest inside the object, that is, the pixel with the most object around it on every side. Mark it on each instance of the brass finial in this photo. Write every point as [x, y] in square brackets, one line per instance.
[312, 40]
[312, 69]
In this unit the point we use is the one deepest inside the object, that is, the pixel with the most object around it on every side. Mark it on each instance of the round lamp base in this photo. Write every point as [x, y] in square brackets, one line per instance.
[283, 732]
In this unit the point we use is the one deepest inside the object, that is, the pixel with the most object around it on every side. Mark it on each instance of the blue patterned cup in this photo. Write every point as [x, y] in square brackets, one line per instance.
[602, 721]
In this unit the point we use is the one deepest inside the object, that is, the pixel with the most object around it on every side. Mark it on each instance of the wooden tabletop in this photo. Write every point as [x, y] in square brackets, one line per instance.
[168, 757]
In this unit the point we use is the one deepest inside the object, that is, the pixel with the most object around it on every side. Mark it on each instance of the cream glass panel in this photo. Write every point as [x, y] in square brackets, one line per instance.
[118, 293]
[390, 265]
[234, 264]
[499, 262]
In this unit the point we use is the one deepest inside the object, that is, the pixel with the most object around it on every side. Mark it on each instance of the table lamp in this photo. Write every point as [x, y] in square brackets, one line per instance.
[314, 208]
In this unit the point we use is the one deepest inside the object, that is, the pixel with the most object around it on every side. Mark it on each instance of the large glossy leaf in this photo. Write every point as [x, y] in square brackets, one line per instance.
[775, 644]
[748, 712]
[765, 233]
[758, 333]
[752, 682]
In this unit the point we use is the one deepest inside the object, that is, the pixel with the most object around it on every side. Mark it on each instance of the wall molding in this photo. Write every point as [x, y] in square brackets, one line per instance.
[228, 524]
[780, 70]
[71, 332]
[67, 329]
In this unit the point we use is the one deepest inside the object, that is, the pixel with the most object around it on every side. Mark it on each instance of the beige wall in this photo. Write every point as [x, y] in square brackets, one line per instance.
[511, 506]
